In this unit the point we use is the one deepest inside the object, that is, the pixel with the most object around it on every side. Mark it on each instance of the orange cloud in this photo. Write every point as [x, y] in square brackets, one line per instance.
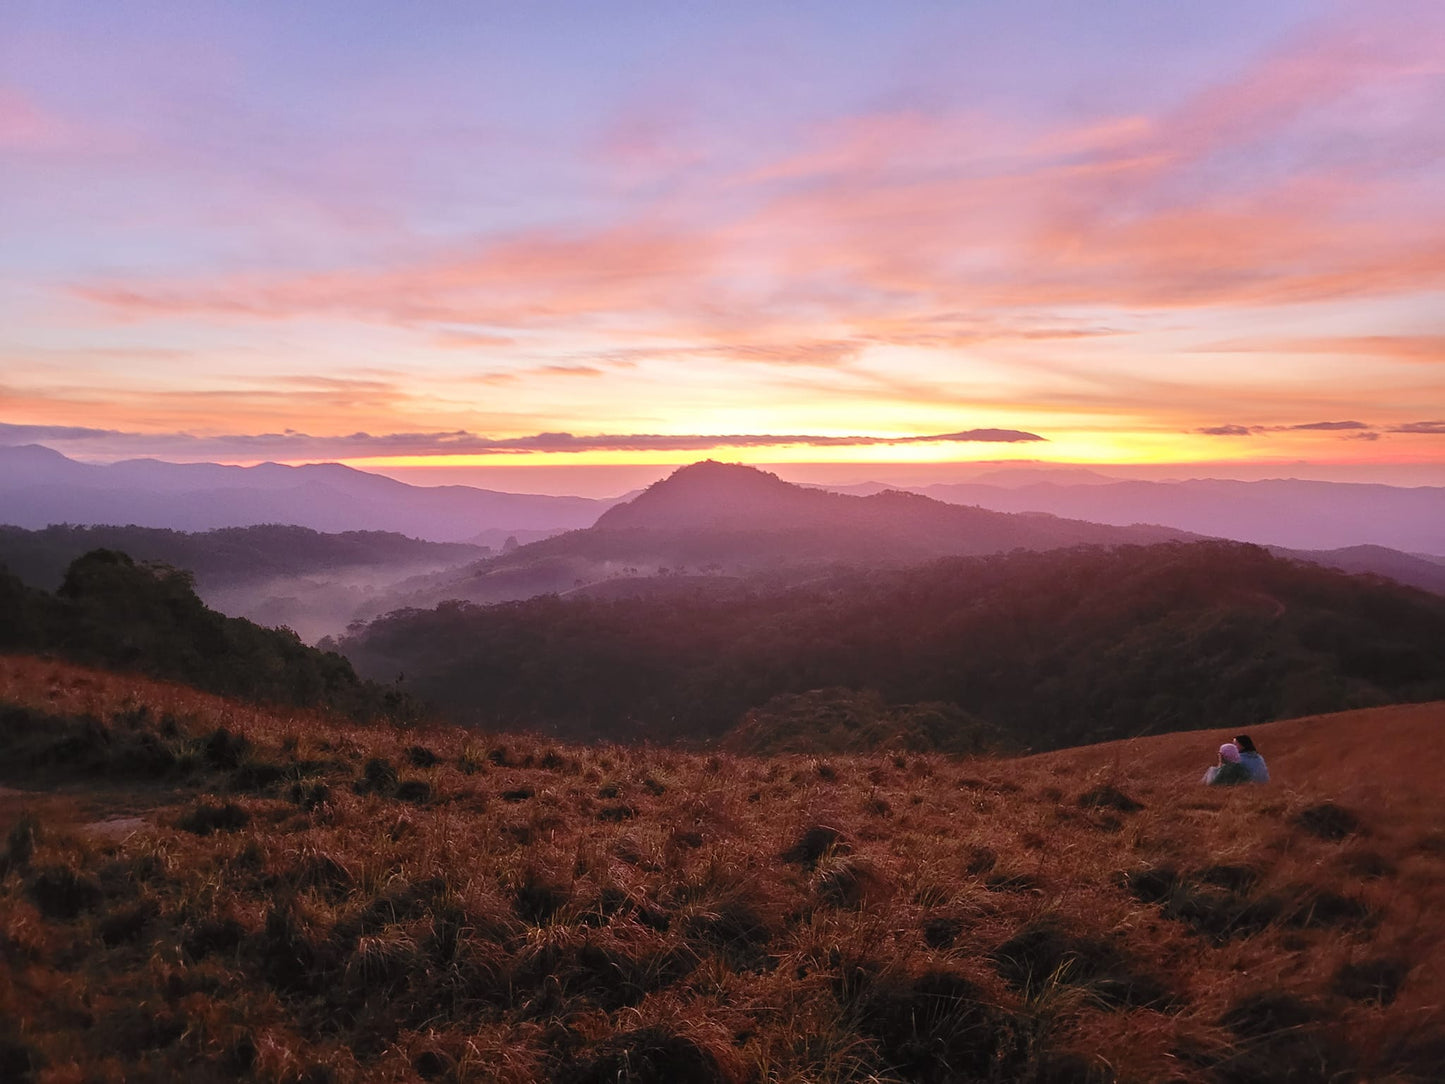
[521, 281]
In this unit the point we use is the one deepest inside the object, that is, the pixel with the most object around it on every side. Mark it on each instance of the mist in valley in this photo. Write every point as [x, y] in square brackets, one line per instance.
[319, 604]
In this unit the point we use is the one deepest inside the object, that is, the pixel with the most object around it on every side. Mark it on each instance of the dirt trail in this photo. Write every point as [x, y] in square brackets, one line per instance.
[108, 812]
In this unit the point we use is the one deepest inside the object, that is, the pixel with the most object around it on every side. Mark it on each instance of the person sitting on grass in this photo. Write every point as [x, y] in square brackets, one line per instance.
[1253, 763]
[1229, 770]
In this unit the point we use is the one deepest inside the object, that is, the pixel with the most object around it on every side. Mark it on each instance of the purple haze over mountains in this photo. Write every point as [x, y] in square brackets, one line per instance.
[39, 486]
[1279, 512]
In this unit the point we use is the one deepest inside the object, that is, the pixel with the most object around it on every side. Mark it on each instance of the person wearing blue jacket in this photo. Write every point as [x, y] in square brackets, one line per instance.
[1250, 758]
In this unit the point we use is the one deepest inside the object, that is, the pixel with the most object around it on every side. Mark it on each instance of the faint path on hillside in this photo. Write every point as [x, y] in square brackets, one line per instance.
[109, 814]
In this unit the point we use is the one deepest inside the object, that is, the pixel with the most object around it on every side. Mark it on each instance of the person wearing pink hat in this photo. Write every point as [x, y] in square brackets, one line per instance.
[1229, 770]
[1250, 757]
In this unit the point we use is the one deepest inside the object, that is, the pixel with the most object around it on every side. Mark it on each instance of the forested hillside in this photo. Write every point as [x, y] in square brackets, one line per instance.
[1052, 649]
[223, 556]
[112, 611]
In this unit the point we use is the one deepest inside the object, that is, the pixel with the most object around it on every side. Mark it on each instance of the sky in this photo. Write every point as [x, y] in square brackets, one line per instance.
[472, 237]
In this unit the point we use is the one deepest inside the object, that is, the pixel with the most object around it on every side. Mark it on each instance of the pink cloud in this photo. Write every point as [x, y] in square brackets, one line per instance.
[25, 126]
[879, 218]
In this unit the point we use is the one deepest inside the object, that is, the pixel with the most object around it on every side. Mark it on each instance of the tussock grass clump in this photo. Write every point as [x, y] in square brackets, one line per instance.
[728, 925]
[647, 1055]
[20, 842]
[979, 861]
[213, 935]
[127, 923]
[1376, 980]
[1280, 1036]
[538, 896]
[938, 1026]
[223, 749]
[377, 777]
[848, 881]
[1108, 796]
[208, 816]
[416, 791]
[1326, 908]
[1233, 878]
[1327, 820]
[942, 931]
[544, 912]
[816, 841]
[18, 1059]
[1043, 953]
[63, 892]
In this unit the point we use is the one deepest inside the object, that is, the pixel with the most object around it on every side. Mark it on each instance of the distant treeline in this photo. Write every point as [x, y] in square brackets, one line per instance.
[1056, 648]
[225, 555]
[113, 612]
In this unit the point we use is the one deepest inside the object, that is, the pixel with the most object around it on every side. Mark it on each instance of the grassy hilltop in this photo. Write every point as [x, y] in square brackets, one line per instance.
[197, 889]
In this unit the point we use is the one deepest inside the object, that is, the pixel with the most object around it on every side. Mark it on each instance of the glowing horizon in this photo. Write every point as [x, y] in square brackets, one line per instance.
[837, 234]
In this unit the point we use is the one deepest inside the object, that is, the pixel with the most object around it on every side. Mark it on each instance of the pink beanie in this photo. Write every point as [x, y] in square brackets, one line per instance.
[1230, 752]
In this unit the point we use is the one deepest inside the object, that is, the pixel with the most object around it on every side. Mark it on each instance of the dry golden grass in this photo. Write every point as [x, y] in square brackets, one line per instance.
[304, 900]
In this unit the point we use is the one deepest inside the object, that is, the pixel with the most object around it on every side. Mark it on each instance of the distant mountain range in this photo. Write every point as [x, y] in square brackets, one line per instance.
[714, 521]
[226, 557]
[39, 487]
[705, 524]
[711, 527]
[1279, 512]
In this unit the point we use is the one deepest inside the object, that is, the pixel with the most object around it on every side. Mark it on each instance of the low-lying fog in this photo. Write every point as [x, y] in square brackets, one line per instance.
[316, 605]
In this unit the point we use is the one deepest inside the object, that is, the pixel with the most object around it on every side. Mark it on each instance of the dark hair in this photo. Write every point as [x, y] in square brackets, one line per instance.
[1245, 743]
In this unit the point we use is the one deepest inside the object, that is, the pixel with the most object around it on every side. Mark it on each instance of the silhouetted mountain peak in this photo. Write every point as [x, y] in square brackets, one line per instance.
[709, 493]
[714, 474]
[891, 525]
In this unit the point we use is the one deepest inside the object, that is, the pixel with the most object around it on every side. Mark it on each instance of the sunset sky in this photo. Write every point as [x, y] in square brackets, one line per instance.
[645, 233]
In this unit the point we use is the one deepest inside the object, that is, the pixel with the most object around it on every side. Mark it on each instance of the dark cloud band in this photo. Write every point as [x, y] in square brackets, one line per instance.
[291, 444]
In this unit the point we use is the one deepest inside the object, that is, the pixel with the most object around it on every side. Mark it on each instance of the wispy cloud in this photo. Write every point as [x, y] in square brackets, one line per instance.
[1304, 427]
[1355, 430]
[1411, 348]
[1433, 428]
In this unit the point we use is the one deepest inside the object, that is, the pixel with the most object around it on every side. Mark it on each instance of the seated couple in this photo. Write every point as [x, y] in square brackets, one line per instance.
[1239, 762]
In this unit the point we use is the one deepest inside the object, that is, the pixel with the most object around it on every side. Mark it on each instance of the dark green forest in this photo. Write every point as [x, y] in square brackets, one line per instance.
[225, 555]
[113, 612]
[1050, 649]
